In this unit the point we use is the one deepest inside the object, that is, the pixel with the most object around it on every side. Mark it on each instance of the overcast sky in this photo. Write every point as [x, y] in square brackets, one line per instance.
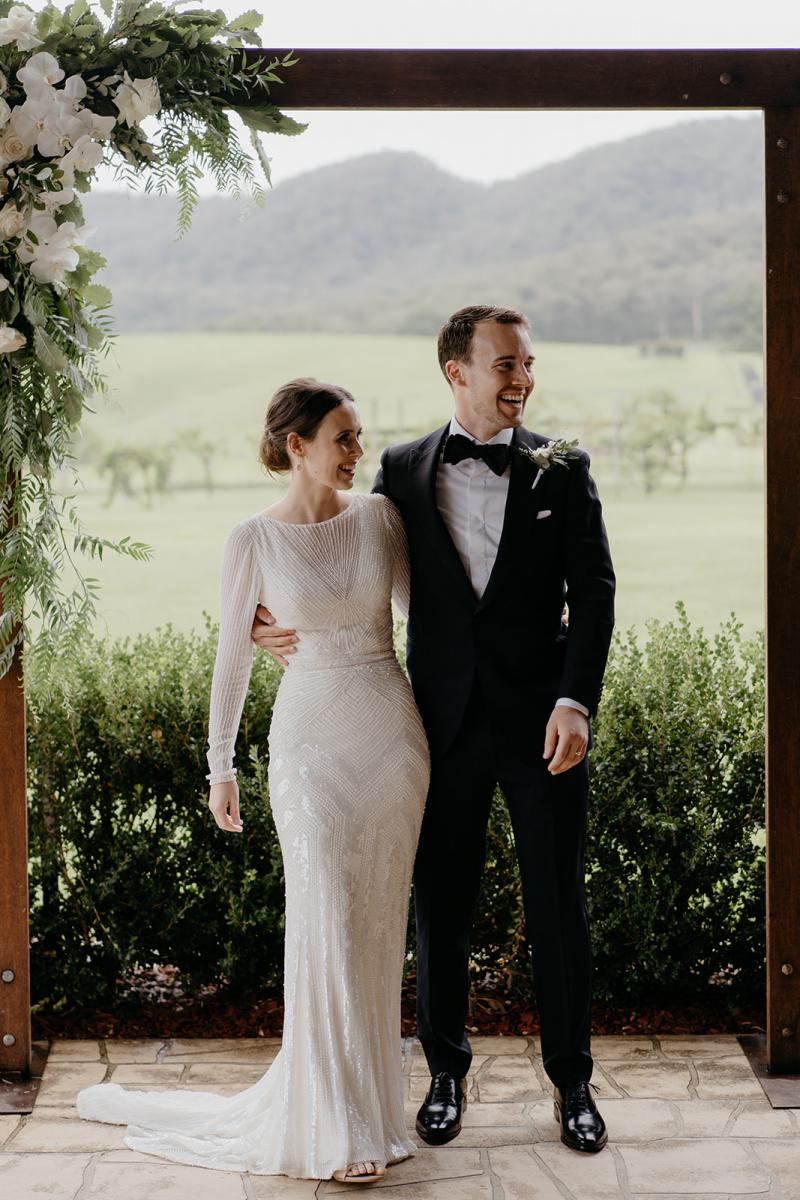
[489, 146]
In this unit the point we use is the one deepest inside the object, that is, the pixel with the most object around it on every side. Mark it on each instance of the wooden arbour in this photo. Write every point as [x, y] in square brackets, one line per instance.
[768, 80]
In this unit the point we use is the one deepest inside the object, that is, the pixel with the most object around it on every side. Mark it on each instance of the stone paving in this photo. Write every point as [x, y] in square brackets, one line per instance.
[686, 1117]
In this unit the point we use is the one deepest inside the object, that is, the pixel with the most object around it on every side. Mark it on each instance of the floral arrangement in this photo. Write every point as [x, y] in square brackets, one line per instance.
[75, 87]
[557, 452]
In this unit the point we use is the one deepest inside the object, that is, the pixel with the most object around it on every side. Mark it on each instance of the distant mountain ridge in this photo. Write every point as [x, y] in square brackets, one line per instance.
[659, 235]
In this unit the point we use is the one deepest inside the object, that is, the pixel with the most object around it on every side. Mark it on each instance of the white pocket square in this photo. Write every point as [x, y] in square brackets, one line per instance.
[544, 512]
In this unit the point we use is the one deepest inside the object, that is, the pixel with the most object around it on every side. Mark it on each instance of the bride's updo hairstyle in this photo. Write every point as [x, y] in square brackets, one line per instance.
[300, 407]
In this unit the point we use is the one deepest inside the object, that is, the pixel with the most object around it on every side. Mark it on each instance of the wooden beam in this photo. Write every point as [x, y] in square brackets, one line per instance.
[782, 456]
[15, 1010]
[537, 79]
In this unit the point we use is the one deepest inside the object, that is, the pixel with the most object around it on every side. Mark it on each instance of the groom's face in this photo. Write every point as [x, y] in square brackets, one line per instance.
[491, 390]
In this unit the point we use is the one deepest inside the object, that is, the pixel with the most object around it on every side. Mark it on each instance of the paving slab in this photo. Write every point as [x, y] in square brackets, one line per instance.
[657, 1080]
[686, 1117]
[42, 1176]
[8, 1123]
[500, 1045]
[730, 1076]
[232, 1050]
[782, 1158]
[522, 1176]
[129, 1050]
[508, 1078]
[73, 1136]
[691, 1166]
[74, 1050]
[699, 1045]
[705, 1118]
[587, 1176]
[61, 1081]
[623, 1049]
[164, 1074]
[166, 1180]
[427, 1166]
[759, 1119]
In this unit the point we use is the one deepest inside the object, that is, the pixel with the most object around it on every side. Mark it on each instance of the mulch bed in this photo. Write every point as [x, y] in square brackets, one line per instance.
[152, 1005]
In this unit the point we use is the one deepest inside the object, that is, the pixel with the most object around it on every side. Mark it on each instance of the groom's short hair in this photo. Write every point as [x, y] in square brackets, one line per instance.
[455, 336]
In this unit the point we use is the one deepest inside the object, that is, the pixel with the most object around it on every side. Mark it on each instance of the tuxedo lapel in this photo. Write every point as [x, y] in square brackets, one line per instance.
[423, 464]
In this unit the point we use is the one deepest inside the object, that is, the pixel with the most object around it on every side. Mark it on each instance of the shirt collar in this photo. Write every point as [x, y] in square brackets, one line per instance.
[502, 438]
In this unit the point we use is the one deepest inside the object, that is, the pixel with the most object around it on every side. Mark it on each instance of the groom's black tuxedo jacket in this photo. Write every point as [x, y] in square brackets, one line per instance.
[511, 640]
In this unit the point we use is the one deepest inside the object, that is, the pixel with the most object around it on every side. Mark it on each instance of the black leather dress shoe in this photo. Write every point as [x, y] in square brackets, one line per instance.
[439, 1118]
[582, 1127]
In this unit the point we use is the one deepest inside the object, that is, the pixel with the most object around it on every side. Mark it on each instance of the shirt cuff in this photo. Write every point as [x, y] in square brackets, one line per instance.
[567, 703]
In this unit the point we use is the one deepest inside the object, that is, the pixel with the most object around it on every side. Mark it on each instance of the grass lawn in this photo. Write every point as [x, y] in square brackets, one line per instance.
[702, 544]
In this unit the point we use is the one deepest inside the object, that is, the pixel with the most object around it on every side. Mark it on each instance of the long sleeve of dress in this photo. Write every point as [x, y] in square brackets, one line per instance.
[398, 543]
[240, 587]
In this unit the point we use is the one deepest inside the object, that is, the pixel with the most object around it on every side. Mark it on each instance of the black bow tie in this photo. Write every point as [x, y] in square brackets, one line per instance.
[458, 447]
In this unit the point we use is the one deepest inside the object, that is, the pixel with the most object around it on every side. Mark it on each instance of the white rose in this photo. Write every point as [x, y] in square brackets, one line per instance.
[137, 99]
[3, 183]
[5, 111]
[3, 283]
[18, 27]
[12, 222]
[12, 147]
[11, 339]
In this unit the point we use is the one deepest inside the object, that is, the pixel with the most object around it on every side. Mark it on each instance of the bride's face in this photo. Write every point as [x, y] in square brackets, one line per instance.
[330, 457]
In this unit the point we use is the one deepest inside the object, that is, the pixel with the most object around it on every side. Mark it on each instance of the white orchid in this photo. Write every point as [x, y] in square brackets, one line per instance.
[85, 155]
[41, 121]
[54, 252]
[96, 126]
[137, 99]
[18, 27]
[11, 339]
[74, 90]
[41, 68]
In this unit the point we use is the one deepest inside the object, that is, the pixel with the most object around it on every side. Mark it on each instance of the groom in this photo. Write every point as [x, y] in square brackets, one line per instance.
[506, 689]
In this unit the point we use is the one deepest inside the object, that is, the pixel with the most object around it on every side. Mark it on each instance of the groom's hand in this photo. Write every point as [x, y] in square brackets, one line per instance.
[566, 739]
[266, 634]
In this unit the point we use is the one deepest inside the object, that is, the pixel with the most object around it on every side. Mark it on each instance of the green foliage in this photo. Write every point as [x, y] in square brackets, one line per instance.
[128, 868]
[189, 69]
[127, 864]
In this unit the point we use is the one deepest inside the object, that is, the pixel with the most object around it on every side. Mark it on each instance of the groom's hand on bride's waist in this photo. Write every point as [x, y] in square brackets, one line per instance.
[566, 739]
[280, 643]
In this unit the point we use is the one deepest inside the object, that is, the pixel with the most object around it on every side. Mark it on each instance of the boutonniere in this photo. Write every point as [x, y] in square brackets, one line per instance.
[558, 452]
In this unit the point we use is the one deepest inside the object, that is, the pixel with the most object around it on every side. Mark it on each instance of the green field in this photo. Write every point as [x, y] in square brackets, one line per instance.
[702, 543]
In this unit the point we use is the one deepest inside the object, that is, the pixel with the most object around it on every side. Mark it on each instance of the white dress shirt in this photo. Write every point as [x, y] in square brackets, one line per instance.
[472, 501]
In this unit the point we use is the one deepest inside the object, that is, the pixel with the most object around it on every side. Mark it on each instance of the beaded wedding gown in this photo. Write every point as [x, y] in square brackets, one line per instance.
[348, 776]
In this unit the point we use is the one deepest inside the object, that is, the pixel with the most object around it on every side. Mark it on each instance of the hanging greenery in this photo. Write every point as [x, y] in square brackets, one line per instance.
[75, 87]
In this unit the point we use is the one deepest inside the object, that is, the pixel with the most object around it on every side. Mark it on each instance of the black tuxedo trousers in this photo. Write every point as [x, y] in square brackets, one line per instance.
[548, 816]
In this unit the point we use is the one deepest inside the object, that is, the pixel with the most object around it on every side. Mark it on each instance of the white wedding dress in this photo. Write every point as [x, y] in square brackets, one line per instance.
[348, 777]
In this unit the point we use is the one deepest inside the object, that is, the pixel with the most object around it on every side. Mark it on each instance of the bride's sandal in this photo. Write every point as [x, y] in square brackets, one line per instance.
[350, 1176]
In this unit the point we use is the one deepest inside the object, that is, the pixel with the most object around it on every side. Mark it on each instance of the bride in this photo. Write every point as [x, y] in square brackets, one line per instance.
[348, 775]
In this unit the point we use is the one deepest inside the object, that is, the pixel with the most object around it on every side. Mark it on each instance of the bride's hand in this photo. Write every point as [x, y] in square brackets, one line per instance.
[223, 801]
[266, 634]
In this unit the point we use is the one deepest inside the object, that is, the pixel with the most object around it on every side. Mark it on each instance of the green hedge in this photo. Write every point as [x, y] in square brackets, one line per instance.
[128, 868]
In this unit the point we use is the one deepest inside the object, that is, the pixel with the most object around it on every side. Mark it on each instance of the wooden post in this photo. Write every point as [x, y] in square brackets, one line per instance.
[15, 1010]
[782, 459]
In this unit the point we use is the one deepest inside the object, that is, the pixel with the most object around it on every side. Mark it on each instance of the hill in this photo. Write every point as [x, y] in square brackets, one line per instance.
[655, 236]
